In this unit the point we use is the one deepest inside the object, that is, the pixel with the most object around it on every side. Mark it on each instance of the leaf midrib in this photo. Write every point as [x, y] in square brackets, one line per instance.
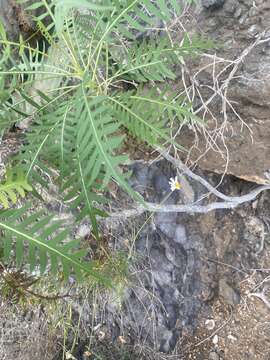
[48, 248]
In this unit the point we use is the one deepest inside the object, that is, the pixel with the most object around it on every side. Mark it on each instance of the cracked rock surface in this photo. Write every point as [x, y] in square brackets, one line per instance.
[180, 273]
[241, 132]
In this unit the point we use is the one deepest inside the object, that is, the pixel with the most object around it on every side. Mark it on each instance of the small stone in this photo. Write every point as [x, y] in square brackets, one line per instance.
[162, 277]
[253, 31]
[210, 324]
[230, 7]
[229, 295]
[122, 340]
[180, 236]
[213, 356]
[212, 4]
[83, 230]
[167, 229]
[253, 12]
[101, 335]
[232, 337]
[87, 355]
[238, 13]
[165, 340]
[215, 339]
[69, 356]
[243, 19]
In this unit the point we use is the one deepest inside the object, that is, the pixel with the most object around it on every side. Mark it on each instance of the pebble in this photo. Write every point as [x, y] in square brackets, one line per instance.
[253, 12]
[212, 4]
[238, 13]
[243, 19]
[180, 235]
[210, 324]
[83, 230]
[215, 339]
[253, 30]
[229, 295]
[232, 337]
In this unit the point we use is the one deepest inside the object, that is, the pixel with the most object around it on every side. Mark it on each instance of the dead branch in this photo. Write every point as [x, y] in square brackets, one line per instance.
[230, 202]
[192, 208]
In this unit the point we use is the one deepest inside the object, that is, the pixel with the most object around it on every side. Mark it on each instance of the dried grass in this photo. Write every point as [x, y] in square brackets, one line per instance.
[25, 333]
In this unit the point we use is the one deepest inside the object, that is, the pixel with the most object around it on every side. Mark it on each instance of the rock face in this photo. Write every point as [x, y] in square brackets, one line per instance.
[178, 274]
[175, 283]
[231, 89]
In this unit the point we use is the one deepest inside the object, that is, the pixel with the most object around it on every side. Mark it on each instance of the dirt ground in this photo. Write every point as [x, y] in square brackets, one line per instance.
[239, 326]
[235, 333]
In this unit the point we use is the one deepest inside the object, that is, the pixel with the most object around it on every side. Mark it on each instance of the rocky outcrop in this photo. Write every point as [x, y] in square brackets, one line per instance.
[231, 89]
[183, 265]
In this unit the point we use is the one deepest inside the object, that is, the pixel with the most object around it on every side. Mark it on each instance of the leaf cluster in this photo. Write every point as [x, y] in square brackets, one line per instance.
[99, 80]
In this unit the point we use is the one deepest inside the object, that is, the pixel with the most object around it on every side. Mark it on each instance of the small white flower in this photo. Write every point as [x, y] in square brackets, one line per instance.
[174, 184]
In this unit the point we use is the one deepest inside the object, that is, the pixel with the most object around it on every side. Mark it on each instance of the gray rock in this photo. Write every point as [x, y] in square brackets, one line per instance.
[165, 340]
[180, 236]
[234, 25]
[229, 295]
[162, 277]
[212, 4]
[238, 13]
[167, 229]
[159, 261]
[140, 177]
[230, 7]
[176, 255]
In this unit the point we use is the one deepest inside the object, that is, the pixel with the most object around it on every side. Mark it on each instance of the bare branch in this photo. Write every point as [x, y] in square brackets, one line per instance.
[230, 202]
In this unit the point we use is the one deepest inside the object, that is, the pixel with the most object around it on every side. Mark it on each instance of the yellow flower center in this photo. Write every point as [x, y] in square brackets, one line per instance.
[177, 185]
